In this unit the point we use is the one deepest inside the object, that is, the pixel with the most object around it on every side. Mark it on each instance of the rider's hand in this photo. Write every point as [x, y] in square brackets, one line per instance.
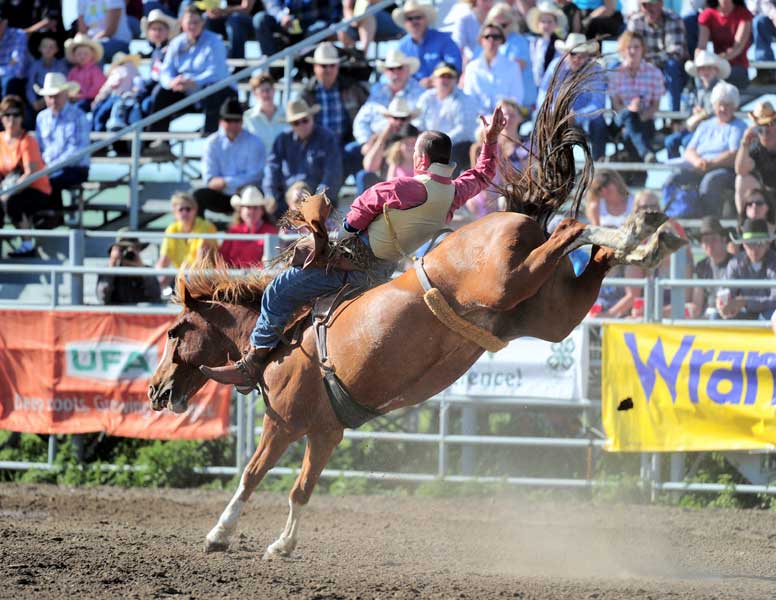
[497, 123]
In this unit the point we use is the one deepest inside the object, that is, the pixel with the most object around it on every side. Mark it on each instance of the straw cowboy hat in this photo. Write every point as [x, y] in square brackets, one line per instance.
[763, 113]
[158, 16]
[251, 196]
[754, 231]
[400, 109]
[325, 54]
[546, 8]
[299, 109]
[396, 58]
[399, 14]
[577, 43]
[122, 58]
[707, 59]
[54, 83]
[81, 39]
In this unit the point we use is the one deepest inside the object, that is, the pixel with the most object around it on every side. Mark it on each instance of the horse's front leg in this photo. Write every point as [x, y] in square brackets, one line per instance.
[320, 445]
[274, 442]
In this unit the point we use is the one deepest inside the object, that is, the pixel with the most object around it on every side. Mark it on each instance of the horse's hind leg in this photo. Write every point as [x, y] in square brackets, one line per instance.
[320, 445]
[274, 441]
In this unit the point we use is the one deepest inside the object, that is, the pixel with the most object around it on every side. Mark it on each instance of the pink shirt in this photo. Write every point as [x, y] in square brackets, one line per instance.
[407, 192]
[90, 78]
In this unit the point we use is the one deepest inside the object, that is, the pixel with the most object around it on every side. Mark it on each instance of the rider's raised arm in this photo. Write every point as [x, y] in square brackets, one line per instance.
[471, 182]
[400, 193]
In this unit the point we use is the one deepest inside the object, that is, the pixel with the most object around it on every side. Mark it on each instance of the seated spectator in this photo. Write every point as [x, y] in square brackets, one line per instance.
[601, 18]
[264, 120]
[589, 104]
[389, 154]
[397, 69]
[709, 157]
[635, 89]
[608, 201]
[756, 261]
[764, 34]
[195, 59]
[233, 21]
[233, 159]
[447, 108]
[38, 19]
[516, 48]
[708, 70]
[308, 153]
[729, 27]
[665, 42]
[756, 156]
[758, 205]
[340, 99]
[573, 15]
[13, 56]
[105, 21]
[713, 265]
[252, 212]
[118, 95]
[548, 24]
[127, 289]
[85, 55]
[179, 251]
[430, 46]
[492, 76]
[466, 31]
[158, 29]
[379, 26]
[19, 158]
[47, 63]
[61, 130]
[285, 22]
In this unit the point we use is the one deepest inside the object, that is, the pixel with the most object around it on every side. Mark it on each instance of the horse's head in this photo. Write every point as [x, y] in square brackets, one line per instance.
[204, 334]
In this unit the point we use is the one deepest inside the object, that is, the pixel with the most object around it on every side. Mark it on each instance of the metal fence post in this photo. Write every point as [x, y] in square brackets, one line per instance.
[250, 430]
[52, 448]
[468, 427]
[54, 289]
[240, 451]
[76, 250]
[134, 179]
[287, 68]
[444, 425]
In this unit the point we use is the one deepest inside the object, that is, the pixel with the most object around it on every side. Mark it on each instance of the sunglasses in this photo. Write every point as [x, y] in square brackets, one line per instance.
[755, 203]
[493, 36]
[303, 121]
[414, 17]
[11, 115]
[328, 66]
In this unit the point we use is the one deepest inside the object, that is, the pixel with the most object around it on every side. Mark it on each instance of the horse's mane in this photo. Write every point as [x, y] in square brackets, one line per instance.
[542, 187]
[208, 278]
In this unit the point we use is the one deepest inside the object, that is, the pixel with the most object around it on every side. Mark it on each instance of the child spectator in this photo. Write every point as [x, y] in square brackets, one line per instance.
[47, 63]
[158, 29]
[548, 24]
[85, 55]
[118, 95]
[252, 215]
[712, 266]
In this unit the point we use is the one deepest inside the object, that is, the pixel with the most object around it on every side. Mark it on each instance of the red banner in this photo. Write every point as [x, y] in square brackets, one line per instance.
[77, 372]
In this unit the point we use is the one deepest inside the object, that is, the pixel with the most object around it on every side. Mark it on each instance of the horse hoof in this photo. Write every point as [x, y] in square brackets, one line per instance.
[215, 546]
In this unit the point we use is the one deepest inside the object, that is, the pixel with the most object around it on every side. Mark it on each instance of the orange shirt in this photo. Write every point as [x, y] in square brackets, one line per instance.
[24, 151]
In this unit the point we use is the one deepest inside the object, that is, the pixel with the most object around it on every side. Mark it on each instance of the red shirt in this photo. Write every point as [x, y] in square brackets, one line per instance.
[723, 28]
[245, 253]
[407, 192]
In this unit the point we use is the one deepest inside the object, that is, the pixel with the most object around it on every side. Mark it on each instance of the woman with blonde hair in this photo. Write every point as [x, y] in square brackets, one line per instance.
[467, 28]
[608, 201]
[252, 211]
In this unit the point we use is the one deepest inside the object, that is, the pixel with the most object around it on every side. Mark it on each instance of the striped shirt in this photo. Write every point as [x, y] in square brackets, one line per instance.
[62, 135]
[332, 114]
[647, 84]
[664, 41]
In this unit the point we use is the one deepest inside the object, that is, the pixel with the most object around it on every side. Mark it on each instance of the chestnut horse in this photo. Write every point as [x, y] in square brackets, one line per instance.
[502, 273]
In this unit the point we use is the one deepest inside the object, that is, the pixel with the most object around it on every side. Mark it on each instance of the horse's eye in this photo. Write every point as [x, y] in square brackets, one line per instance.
[171, 334]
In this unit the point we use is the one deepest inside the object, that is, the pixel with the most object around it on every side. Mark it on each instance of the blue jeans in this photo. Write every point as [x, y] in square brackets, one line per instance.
[673, 71]
[764, 32]
[637, 132]
[675, 141]
[597, 133]
[238, 29]
[352, 159]
[292, 289]
[714, 187]
[691, 27]
[111, 46]
[364, 180]
[101, 113]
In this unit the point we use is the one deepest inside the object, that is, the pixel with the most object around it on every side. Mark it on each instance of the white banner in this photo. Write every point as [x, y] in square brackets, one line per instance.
[528, 368]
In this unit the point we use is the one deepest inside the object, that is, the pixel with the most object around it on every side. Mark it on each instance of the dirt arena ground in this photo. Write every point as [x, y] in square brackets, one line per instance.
[110, 543]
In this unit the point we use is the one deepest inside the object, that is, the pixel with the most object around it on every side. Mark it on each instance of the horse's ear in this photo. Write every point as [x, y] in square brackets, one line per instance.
[189, 301]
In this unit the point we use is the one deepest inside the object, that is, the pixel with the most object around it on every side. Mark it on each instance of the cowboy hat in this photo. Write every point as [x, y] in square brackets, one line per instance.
[121, 58]
[54, 83]
[251, 196]
[325, 54]
[445, 68]
[400, 109]
[546, 8]
[399, 14]
[81, 39]
[763, 113]
[577, 43]
[708, 59]
[299, 109]
[396, 58]
[158, 16]
[754, 231]
[231, 110]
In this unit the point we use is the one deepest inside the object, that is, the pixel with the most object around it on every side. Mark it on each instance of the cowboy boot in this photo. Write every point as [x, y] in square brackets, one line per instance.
[245, 373]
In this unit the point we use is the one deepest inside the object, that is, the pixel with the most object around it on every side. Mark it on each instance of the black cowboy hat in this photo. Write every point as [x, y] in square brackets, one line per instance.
[754, 231]
[231, 110]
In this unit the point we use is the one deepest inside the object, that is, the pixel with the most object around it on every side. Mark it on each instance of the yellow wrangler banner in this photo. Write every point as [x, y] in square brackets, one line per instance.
[691, 388]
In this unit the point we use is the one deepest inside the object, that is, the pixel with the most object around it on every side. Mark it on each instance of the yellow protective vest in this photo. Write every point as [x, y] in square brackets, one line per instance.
[397, 233]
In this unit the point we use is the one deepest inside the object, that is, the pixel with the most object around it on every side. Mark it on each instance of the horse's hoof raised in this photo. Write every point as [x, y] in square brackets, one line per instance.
[215, 546]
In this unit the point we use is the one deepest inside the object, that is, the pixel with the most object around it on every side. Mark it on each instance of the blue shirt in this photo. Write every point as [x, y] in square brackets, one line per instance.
[370, 120]
[60, 136]
[435, 47]
[204, 62]
[713, 138]
[315, 161]
[239, 162]
[456, 115]
[589, 102]
[13, 41]
[37, 72]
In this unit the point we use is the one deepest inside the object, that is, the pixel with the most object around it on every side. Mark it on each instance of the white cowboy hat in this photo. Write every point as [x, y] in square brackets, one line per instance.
[325, 54]
[400, 109]
[399, 14]
[707, 59]
[396, 58]
[251, 196]
[546, 8]
[54, 83]
[158, 16]
[81, 39]
[577, 43]
[299, 109]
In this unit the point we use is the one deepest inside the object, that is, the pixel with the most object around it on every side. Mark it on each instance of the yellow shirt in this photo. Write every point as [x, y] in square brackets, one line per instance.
[179, 250]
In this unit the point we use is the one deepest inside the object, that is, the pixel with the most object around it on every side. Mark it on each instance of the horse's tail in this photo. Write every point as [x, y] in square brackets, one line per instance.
[548, 178]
